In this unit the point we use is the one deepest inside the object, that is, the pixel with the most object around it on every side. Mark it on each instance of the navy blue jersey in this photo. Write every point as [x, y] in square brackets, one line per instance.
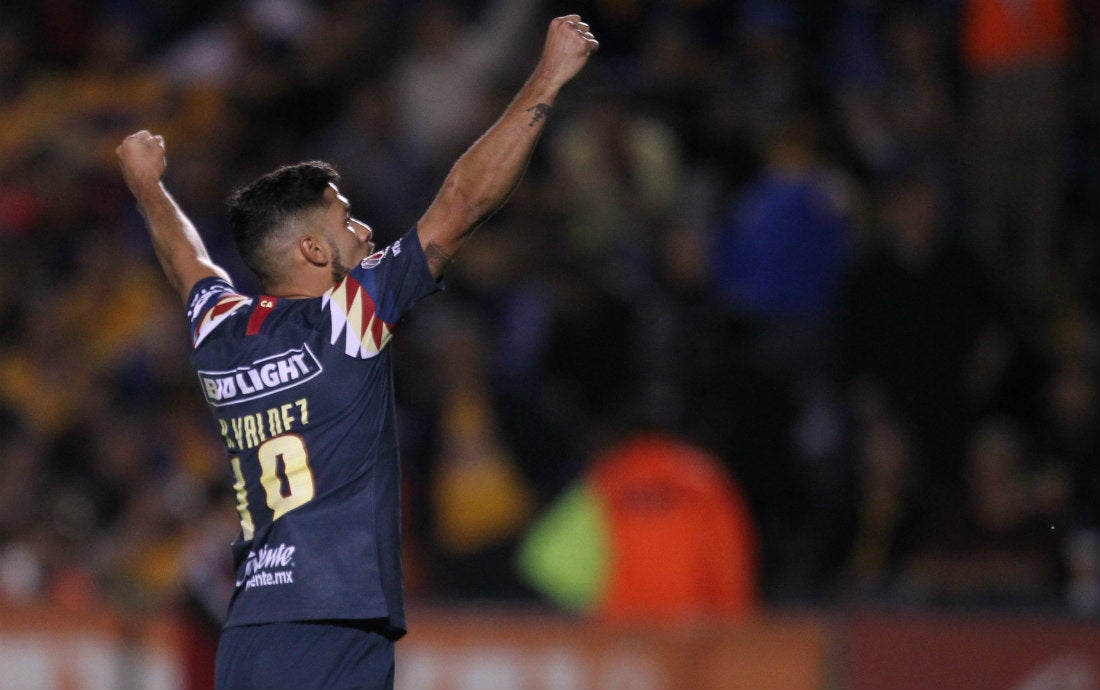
[303, 393]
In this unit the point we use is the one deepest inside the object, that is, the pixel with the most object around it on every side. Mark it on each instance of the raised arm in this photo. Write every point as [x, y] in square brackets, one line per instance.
[177, 244]
[482, 179]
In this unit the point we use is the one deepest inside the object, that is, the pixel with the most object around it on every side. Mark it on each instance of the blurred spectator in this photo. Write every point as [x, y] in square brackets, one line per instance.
[715, 392]
[887, 514]
[769, 76]
[16, 59]
[86, 111]
[445, 78]
[685, 52]
[1001, 546]
[915, 310]
[1082, 556]
[783, 243]
[1015, 56]
[1068, 430]
[892, 92]
[23, 489]
[777, 258]
[619, 175]
[42, 380]
[480, 499]
[233, 47]
[1068, 425]
[655, 531]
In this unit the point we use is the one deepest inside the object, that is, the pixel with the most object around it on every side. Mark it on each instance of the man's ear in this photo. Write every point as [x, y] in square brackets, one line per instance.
[314, 250]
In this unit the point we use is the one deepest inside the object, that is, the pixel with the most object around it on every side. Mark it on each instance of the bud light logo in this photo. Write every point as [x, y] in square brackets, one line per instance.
[263, 377]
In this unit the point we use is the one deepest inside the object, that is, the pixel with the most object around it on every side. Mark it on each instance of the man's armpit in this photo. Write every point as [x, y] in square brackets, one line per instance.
[437, 258]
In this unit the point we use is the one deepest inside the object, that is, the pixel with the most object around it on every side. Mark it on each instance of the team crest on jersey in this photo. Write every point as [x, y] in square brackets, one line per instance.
[374, 259]
[261, 378]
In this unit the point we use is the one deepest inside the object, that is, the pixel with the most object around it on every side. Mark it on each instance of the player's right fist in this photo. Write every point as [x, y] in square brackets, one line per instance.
[141, 156]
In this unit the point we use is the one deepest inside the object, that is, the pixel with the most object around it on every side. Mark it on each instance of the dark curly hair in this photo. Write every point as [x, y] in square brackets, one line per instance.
[259, 210]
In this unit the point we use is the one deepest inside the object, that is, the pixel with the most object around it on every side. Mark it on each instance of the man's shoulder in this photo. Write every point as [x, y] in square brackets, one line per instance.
[212, 301]
[208, 292]
[397, 251]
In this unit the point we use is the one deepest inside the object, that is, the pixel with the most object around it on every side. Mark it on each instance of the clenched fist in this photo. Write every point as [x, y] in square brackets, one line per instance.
[141, 156]
[569, 42]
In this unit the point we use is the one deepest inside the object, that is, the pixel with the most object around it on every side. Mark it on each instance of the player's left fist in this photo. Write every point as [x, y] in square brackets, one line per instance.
[569, 43]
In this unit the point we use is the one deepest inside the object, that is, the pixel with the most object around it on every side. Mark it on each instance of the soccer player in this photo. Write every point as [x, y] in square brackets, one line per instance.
[299, 381]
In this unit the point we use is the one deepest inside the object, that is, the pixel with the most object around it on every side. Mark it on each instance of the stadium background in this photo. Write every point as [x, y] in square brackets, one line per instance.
[849, 249]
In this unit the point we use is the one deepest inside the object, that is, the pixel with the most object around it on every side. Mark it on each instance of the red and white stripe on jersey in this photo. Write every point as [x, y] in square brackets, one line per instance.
[218, 313]
[354, 317]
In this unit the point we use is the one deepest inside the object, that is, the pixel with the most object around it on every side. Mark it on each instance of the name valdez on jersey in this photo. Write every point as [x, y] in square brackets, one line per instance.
[249, 431]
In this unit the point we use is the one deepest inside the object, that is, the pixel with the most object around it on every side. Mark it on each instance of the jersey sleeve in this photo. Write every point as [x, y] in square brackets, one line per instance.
[212, 300]
[368, 303]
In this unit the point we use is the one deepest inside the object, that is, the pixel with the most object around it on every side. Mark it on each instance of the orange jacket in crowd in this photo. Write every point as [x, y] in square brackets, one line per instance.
[682, 540]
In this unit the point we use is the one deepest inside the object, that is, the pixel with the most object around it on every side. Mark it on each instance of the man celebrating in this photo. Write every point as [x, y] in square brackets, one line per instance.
[299, 380]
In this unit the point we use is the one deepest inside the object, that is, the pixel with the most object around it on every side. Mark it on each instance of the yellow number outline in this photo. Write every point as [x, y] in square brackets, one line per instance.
[285, 475]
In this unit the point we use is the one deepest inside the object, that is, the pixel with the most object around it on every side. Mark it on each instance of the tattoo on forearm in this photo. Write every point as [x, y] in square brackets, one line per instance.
[540, 112]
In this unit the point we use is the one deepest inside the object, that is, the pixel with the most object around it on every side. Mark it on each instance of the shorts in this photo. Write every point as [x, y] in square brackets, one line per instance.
[307, 655]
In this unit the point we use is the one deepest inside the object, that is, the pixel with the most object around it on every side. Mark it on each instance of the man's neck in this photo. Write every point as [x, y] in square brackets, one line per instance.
[299, 290]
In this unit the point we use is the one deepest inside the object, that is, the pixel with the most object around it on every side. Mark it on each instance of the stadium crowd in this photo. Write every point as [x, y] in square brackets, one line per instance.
[852, 249]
